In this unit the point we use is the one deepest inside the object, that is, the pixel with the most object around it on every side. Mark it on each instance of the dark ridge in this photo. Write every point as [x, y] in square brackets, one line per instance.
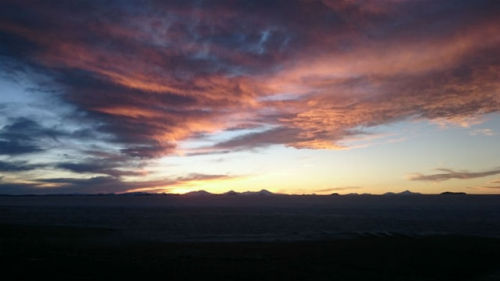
[404, 193]
[262, 192]
[198, 193]
[231, 192]
[453, 193]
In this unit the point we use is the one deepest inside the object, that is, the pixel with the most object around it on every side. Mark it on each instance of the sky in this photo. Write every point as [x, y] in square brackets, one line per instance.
[295, 96]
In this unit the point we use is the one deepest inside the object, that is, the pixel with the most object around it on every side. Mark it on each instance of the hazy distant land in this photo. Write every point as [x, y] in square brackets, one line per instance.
[260, 216]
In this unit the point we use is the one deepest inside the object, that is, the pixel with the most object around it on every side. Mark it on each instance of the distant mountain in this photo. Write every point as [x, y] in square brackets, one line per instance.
[128, 194]
[404, 193]
[198, 193]
[231, 192]
[262, 192]
[453, 193]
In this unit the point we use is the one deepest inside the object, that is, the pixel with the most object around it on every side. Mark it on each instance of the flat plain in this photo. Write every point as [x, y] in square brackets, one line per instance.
[227, 237]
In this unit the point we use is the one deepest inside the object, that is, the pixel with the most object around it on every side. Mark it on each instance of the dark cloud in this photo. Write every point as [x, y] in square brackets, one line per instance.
[27, 129]
[152, 150]
[104, 184]
[15, 148]
[66, 186]
[451, 174]
[101, 184]
[22, 136]
[18, 188]
[259, 139]
[98, 166]
[295, 137]
[17, 166]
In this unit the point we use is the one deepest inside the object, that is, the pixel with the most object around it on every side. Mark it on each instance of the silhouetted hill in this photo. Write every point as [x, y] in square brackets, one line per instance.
[231, 193]
[453, 193]
[404, 193]
[198, 193]
[262, 192]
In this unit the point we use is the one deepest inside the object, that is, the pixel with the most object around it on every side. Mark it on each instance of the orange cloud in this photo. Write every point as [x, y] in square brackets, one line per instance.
[155, 80]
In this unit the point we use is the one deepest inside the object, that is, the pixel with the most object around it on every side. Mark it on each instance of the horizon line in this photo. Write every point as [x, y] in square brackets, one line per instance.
[262, 193]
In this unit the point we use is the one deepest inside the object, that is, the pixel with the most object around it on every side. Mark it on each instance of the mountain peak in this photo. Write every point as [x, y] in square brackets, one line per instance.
[403, 193]
[197, 193]
[263, 192]
[231, 192]
[453, 193]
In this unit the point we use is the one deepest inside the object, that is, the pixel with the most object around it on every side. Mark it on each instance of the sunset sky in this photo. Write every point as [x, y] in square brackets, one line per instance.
[292, 96]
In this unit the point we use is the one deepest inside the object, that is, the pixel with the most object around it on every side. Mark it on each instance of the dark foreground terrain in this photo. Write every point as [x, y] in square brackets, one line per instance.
[260, 238]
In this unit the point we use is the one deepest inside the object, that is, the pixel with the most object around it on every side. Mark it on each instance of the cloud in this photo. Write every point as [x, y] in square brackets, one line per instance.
[15, 148]
[98, 166]
[168, 72]
[19, 137]
[200, 177]
[23, 136]
[144, 78]
[17, 166]
[483, 132]
[259, 139]
[338, 188]
[101, 184]
[451, 174]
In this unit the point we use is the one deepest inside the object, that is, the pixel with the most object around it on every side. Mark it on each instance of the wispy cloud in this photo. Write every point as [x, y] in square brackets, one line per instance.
[493, 187]
[482, 132]
[337, 188]
[448, 174]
